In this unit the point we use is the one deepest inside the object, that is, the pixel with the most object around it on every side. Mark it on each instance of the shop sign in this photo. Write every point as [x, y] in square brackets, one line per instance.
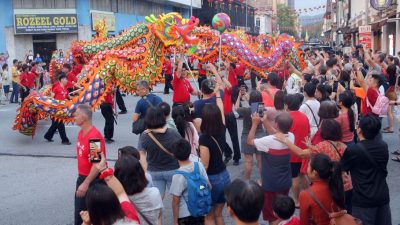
[45, 23]
[365, 35]
[107, 16]
[380, 4]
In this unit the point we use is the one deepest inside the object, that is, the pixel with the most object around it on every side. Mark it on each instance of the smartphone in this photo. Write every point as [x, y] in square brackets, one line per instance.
[260, 109]
[95, 150]
[254, 107]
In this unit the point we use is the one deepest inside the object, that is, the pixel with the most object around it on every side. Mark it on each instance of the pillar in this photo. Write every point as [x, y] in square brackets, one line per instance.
[384, 39]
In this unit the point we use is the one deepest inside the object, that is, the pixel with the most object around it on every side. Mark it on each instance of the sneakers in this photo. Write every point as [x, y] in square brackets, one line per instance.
[123, 112]
[48, 139]
[227, 159]
[236, 162]
[66, 143]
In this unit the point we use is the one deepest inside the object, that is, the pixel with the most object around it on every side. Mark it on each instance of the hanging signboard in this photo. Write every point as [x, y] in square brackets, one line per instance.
[380, 4]
[45, 23]
[109, 17]
[365, 35]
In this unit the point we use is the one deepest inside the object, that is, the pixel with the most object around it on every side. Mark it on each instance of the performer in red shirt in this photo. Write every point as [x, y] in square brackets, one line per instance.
[60, 93]
[182, 87]
[107, 110]
[167, 67]
[202, 73]
[240, 70]
[27, 81]
[88, 174]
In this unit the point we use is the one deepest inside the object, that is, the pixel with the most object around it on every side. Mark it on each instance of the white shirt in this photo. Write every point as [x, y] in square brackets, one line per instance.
[314, 105]
[266, 143]
[293, 84]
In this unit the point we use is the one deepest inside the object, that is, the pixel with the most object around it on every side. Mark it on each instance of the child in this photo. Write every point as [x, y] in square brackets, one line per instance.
[132, 151]
[166, 108]
[283, 207]
[179, 186]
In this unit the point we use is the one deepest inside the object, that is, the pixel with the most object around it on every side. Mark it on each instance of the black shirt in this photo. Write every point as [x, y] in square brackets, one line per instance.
[369, 181]
[216, 164]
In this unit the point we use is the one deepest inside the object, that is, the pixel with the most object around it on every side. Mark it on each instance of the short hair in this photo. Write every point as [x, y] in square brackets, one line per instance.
[130, 173]
[165, 107]
[307, 77]
[309, 89]
[233, 65]
[255, 96]
[283, 206]
[370, 126]
[211, 123]
[61, 76]
[128, 150]
[24, 67]
[378, 79]
[246, 199]
[322, 69]
[274, 79]
[279, 100]
[331, 130]
[331, 62]
[143, 83]
[67, 66]
[206, 86]
[181, 149]
[15, 61]
[5, 65]
[293, 101]
[86, 109]
[154, 118]
[284, 121]
[381, 57]
[328, 110]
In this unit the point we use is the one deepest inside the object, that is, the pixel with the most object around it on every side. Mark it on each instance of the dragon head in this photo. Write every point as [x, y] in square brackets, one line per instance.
[172, 29]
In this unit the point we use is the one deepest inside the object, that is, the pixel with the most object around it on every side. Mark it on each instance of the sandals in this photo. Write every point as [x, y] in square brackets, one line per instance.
[387, 130]
[396, 158]
[397, 152]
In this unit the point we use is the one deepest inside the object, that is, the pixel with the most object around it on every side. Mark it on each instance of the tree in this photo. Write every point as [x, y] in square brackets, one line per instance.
[286, 20]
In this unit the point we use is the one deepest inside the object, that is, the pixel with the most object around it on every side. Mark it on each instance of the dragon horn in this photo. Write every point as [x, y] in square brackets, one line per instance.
[153, 17]
[148, 19]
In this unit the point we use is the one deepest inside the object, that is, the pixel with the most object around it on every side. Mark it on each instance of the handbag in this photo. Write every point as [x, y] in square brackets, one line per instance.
[336, 218]
[139, 125]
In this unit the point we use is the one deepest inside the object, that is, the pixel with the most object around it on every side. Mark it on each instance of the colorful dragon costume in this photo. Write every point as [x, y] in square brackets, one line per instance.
[138, 54]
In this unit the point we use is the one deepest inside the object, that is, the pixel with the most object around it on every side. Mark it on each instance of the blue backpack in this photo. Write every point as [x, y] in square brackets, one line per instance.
[199, 192]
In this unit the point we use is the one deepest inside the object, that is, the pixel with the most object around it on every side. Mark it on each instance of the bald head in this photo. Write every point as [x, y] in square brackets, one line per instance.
[284, 122]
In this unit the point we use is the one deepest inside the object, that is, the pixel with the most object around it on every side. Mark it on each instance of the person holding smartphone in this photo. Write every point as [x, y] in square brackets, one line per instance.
[89, 140]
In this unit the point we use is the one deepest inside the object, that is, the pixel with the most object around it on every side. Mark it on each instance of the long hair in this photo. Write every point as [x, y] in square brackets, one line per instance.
[211, 123]
[130, 173]
[330, 172]
[347, 100]
[103, 205]
[183, 126]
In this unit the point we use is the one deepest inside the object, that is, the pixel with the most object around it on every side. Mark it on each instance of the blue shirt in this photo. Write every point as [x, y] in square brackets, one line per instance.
[144, 103]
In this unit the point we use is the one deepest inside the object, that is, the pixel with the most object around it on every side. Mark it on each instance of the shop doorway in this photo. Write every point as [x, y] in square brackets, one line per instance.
[45, 45]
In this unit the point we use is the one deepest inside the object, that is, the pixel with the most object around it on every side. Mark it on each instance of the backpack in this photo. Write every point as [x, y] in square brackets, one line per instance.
[199, 192]
[381, 105]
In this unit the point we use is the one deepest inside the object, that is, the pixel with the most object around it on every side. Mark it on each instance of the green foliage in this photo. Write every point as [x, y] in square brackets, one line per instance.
[286, 20]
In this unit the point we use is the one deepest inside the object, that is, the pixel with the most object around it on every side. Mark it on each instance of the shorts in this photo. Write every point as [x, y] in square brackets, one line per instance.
[6, 89]
[268, 214]
[295, 169]
[218, 183]
[248, 149]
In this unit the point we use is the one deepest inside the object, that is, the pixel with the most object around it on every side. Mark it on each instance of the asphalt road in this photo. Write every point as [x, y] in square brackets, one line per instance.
[38, 178]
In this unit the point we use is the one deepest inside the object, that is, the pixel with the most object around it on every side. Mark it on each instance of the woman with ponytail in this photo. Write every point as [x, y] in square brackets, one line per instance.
[347, 117]
[186, 128]
[327, 188]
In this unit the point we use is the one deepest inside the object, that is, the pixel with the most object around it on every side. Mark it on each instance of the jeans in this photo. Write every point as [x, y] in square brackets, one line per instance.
[231, 125]
[15, 93]
[108, 114]
[218, 183]
[55, 125]
[162, 179]
[373, 216]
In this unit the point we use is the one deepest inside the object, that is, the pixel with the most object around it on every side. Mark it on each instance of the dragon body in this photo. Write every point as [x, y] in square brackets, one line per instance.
[138, 54]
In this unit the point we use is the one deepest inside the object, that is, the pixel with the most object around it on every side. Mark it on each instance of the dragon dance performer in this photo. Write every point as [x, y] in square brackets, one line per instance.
[107, 110]
[27, 81]
[59, 92]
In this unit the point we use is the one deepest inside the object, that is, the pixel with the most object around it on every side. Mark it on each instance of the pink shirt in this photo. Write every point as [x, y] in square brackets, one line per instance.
[347, 135]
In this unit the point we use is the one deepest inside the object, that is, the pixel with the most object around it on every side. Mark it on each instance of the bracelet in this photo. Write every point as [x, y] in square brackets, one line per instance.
[106, 173]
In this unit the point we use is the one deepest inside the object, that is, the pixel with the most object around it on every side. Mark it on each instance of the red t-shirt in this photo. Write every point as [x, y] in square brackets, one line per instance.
[167, 67]
[83, 149]
[372, 96]
[60, 92]
[240, 69]
[202, 71]
[182, 89]
[129, 211]
[33, 70]
[109, 99]
[227, 101]
[300, 129]
[27, 80]
[232, 78]
[71, 77]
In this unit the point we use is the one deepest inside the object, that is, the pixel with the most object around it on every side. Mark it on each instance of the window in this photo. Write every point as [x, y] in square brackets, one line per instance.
[44, 4]
[258, 22]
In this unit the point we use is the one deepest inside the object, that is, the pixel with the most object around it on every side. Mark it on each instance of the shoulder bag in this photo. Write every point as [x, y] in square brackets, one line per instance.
[336, 218]
[216, 142]
[141, 214]
[315, 118]
[139, 125]
[159, 144]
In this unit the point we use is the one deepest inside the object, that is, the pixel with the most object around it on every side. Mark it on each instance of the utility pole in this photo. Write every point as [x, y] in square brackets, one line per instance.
[246, 15]
[191, 8]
